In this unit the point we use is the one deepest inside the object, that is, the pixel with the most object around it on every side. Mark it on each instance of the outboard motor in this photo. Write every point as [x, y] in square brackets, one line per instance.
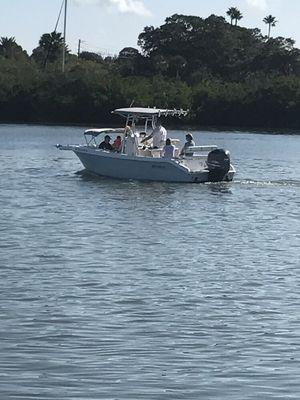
[218, 163]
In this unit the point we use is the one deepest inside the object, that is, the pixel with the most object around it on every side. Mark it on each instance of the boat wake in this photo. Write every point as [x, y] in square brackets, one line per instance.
[218, 186]
[280, 182]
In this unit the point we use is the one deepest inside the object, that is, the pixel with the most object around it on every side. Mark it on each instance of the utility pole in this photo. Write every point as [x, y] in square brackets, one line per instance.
[79, 47]
[64, 42]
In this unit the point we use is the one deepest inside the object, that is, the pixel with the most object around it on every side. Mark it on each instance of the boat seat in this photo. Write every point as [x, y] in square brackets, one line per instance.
[156, 153]
[144, 152]
[199, 149]
[195, 164]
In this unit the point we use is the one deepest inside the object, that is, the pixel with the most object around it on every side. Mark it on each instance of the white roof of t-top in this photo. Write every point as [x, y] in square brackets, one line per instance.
[98, 131]
[148, 112]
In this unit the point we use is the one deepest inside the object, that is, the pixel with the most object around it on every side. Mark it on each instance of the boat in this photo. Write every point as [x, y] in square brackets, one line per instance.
[198, 164]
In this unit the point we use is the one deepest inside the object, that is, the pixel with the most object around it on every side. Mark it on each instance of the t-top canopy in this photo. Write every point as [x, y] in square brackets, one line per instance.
[141, 112]
[95, 132]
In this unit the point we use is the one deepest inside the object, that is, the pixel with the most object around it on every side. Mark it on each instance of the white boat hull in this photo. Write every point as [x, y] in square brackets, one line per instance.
[122, 166]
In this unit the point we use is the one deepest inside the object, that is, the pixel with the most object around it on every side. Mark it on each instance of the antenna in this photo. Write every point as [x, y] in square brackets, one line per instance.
[51, 43]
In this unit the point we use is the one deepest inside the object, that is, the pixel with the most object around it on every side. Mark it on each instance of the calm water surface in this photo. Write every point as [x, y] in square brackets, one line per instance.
[127, 290]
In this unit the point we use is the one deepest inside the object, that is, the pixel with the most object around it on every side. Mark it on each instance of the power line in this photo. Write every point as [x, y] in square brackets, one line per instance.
[59, 15]
[103, 52]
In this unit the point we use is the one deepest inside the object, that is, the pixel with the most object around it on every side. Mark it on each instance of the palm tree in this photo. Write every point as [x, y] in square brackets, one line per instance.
[234, 14]
[230, 13]
[7, 46]
[237, 16]
[4, 41]
[50, 47]
[271, 21]
[52, 43]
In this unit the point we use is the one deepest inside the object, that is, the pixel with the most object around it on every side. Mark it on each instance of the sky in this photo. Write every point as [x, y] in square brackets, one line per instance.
[107, 26]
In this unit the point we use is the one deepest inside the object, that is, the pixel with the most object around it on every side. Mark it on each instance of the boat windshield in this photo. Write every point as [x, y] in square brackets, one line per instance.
[91, 134]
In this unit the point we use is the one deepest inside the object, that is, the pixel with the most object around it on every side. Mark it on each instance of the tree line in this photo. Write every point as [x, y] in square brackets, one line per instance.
[223, 73]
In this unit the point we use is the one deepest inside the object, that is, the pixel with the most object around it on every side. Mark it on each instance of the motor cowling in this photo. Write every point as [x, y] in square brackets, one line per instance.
[218, 164]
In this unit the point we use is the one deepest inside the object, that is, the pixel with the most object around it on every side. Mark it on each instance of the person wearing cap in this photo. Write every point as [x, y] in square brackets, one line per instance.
[105, 145]
[189, 143]
[158, 136]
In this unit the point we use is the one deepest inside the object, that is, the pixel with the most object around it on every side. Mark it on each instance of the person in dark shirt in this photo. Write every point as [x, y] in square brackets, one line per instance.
[105, 145]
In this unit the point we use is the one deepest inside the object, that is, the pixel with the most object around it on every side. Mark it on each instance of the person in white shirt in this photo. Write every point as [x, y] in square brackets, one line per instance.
[158, 136]
[131, 142]
[169, 149]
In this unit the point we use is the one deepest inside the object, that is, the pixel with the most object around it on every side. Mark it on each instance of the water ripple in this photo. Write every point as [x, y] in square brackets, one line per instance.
[132, 290]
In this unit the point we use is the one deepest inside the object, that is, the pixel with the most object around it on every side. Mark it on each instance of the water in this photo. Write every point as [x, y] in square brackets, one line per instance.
[127, 290]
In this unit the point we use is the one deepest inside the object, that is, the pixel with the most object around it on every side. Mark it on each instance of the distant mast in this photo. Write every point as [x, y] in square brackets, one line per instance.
[64, 42]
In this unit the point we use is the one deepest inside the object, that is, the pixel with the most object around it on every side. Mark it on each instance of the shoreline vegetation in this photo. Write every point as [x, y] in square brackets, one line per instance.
[178, 126]
[226, 75]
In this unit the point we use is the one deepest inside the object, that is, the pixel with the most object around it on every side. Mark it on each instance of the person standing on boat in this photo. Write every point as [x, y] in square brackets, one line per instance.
[189, 143]
[169, 149]
[105, 145]
[131, 142]
[158, 136]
